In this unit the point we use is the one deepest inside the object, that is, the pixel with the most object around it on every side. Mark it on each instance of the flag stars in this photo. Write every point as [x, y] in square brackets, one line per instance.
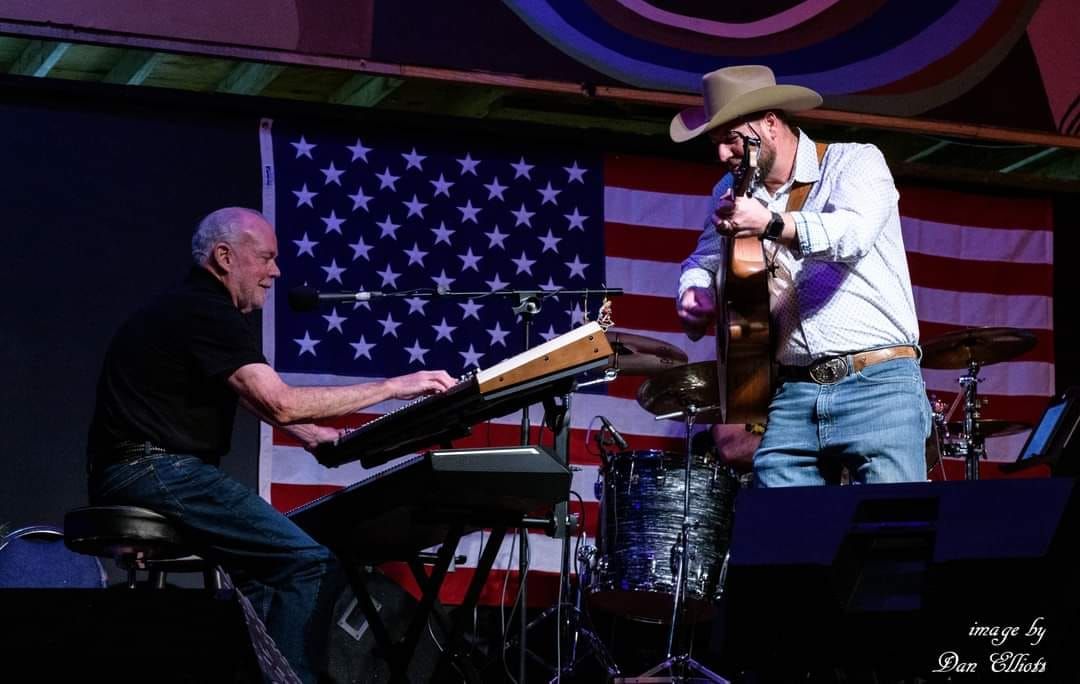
[523, 216]
[360, 249]
[387, 180]
[333, 321]
[472, 357]
[416, 305]
[307, 345]
[303, 148]
[333, 271]
[415, 206]
[413, 160]
[416, 352]
[442, 233]
[332, 175]
[577, 315]
[524, 263]
[305, 246]
[389, 277]
[550, 242]
[443, 330]
[498, 335]
[496, 283]
[495, 189]
[468, 164]
[550, 286]
[442, 186]
[360, 200]
[577, 268]
[522, 169]
[333, 223]
[469, 261]
[470, 309]
[358, 152]
[389, 325]
[304, 196]
[362, 348]
[495, 238]
[577, 174]
[468, 212]
[550, 334]
[442, 281]
[416, 255]
[549, 194]
[577, 220]
[389, 228]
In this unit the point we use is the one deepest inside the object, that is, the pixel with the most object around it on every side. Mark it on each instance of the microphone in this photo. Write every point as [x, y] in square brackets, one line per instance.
[305, 298]
[614, 433]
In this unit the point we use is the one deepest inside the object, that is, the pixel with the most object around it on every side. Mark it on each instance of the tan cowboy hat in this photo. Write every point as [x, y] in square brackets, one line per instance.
[736, 91]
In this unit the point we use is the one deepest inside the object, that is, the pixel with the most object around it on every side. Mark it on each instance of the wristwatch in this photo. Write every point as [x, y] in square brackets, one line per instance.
[774, 228]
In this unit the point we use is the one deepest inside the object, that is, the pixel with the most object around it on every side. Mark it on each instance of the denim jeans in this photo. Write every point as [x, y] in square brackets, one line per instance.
[287, 575]
[875, 422]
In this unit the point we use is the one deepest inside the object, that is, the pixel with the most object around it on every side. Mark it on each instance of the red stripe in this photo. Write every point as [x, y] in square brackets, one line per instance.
[645, 312]
[496, 434]
[995, 277]
[543, 587]
[286, 497]
[656, 174]
[652, 244]
[1042, 351]
[988, 470]
[986, 211]
[1023, 408]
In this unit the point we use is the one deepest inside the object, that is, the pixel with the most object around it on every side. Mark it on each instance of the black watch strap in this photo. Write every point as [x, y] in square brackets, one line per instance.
[775, 228]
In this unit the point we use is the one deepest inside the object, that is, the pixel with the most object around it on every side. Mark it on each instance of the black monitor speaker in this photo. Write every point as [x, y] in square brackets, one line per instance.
[907, 580]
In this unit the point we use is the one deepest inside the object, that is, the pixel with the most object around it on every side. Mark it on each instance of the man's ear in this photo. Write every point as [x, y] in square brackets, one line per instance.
[221, 257]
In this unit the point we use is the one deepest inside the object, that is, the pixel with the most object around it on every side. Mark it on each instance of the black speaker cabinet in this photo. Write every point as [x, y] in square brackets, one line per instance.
[117, 634]
[976, 580]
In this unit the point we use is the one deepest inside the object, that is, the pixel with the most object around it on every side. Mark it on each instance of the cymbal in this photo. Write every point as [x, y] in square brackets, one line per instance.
[640, 355]
[982, 346]
[991, 427]
[678, 388]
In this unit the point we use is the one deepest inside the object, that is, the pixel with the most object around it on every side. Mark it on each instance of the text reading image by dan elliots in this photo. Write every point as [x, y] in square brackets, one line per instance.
[998, 650]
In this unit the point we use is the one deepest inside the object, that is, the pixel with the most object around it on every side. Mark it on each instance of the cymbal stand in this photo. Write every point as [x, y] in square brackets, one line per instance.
[974, 444]
[679, 665]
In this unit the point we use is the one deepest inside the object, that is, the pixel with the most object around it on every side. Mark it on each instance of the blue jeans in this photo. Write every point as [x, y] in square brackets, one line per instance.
[283, 571]
[874, 422]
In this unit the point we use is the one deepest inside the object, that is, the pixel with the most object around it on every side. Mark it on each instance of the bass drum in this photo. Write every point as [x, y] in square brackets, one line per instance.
[641, 515]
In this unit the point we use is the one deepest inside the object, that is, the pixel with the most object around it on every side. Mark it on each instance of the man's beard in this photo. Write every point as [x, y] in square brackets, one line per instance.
[766, 159]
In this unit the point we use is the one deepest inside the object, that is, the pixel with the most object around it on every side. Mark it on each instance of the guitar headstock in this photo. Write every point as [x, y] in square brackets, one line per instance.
[746, 174]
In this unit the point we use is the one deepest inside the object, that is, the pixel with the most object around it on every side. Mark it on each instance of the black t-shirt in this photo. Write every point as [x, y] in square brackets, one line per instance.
[164, 375]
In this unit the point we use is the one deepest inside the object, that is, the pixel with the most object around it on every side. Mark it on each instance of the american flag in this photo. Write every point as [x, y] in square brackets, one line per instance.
[374, 211]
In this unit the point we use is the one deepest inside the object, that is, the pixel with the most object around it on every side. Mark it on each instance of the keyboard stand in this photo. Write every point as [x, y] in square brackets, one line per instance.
[398, 654]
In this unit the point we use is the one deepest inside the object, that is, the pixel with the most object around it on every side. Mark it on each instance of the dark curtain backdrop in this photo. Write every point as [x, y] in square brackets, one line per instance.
[97, 205]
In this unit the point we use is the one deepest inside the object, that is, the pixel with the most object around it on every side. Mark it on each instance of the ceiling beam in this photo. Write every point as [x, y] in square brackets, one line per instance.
[134, 67]
[38, 58]
[365, 90]
[249, 78]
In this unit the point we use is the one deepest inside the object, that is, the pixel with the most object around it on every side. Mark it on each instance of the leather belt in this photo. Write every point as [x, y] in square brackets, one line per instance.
[130, 450]
[835, 368]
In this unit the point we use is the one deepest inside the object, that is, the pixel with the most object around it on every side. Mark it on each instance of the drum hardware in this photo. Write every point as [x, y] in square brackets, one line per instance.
[971, 348]
[689, 392]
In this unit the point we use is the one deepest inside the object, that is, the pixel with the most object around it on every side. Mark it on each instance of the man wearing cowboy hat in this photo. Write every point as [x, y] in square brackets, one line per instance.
[845, 333]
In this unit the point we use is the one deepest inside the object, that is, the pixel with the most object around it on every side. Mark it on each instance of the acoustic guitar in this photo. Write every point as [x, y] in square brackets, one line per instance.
[743, 336]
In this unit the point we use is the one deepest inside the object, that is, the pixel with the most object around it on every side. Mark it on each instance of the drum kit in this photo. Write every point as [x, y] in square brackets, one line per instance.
[666, 518]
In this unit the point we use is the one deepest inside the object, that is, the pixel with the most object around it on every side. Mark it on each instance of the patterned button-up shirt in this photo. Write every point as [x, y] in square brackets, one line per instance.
[845, 287]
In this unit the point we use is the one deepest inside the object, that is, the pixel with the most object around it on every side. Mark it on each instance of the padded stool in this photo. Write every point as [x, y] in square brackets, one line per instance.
[137, 539]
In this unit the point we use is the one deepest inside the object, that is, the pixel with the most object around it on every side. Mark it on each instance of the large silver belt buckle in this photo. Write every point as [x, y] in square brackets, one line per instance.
[829, 371]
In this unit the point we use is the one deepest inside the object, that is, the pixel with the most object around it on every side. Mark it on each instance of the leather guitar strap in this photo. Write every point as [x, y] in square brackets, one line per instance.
[802, 190]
